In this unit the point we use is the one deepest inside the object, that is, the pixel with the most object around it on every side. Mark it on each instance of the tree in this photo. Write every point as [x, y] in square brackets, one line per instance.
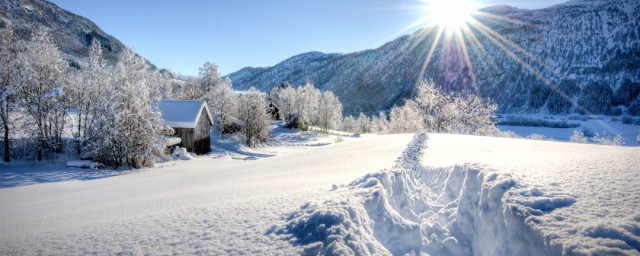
[329, 111]
[286, 100]
[127, 128]
[41, 90]
[252, 112]
[363, 123]
[86, 87]
[208, 78]
[380, 124]
[223, 104]
[9, 48]
[578, 137]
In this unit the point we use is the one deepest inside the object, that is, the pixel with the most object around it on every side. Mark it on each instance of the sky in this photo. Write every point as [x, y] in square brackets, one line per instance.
[182, 35]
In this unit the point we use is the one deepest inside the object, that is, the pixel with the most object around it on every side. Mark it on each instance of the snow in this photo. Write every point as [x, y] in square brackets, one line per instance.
[182, 113]
[182, 154]
[213, 204]
[304, 193]
[83, 164]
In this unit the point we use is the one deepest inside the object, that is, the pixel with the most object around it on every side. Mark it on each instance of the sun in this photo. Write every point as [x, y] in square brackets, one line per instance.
[450, 14]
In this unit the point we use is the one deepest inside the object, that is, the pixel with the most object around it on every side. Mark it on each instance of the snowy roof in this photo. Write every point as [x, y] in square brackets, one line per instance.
[183, 113]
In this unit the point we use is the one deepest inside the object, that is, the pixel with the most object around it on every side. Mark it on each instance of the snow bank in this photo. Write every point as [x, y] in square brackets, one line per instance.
[410, 209]
[83, 164]
[182, 154]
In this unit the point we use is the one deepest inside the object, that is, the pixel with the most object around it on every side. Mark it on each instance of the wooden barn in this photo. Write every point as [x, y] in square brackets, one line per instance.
[191, 121]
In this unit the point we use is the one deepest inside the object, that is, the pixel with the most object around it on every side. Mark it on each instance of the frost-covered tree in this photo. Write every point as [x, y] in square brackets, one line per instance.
[9, 48]
[252, 112]
[307, 101]
[380, 124]
[286, 101]
[41, 91]
[364, 123]
[208, 78]
[85, 88]
[126, 129]
[223, 104]
[329, 111]
[349, 124]
[578, 137]
[190, 90]
[406, 119]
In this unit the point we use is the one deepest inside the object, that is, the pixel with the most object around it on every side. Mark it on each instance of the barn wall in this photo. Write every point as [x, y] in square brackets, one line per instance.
[186, 134]
[202, 136]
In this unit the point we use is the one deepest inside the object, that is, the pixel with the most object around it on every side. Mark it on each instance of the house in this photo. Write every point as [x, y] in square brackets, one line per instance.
[191, 121]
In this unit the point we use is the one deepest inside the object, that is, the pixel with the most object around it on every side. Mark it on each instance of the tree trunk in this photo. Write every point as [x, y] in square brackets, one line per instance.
[6, 143]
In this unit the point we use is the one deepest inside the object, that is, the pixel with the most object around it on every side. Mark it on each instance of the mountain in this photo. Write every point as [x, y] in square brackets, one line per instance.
[580, 56]
[73, 34]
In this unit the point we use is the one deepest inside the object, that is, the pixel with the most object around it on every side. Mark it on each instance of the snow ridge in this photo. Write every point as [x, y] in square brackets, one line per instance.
[412, 209]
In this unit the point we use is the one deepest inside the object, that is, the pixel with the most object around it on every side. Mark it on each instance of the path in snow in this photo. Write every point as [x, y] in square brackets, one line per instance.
[605, 219]
[544, 198]
[205, 206]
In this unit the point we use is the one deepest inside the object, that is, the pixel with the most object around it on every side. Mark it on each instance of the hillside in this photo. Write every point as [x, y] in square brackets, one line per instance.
[71, 33]
[586, 49]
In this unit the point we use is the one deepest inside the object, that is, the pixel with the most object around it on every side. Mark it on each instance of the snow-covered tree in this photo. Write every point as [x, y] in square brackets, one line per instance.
[41, 90]
[286, 101]
[9, 48]
[406, 119]
[578, 137]
[190, 90]
[329, 111]
[349, 124]
[307, 101]
[363, 123]
[208, 78]
[380, 124]
[85, 88]
[223, 104]
[126, 129]
[252, 112]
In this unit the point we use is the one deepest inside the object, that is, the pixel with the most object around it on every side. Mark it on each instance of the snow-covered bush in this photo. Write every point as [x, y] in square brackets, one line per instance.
[607, 140]
[252, 112]
[578, 137]
[536, 136]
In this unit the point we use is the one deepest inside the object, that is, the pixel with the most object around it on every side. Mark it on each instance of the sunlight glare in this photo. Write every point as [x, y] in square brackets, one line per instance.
[451, 14]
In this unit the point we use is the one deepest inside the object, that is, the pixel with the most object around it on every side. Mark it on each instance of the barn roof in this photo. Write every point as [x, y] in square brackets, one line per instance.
[183, 113]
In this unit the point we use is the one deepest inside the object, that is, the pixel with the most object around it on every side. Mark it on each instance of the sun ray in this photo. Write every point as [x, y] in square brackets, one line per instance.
[427, 60]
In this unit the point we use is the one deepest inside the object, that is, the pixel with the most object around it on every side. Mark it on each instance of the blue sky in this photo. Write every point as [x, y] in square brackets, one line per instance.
[182, 35]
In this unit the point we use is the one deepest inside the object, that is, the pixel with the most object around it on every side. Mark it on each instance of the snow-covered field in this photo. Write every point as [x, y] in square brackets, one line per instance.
[374, 194]
[218, 204]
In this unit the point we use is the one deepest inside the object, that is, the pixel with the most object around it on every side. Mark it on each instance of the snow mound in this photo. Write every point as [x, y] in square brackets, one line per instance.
[411, 209]
[182, 154]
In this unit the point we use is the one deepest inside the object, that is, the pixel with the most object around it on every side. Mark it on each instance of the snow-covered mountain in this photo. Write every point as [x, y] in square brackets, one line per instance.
[72, 33]
[525, 60]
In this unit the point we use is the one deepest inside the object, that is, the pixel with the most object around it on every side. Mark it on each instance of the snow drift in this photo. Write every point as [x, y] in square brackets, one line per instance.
[410, 209]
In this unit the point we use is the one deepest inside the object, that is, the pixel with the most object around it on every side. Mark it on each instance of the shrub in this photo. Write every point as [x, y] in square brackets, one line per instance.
[627, 120]
[606, 140]
[578, 137]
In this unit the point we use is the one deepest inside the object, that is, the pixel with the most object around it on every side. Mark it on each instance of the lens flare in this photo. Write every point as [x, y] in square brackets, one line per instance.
[450, 14]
